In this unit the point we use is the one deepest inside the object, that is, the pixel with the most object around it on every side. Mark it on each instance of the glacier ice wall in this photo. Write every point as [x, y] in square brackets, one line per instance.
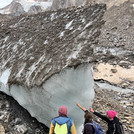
[69, 86]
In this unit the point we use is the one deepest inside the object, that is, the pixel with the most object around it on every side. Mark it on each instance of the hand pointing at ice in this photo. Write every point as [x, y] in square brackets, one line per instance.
[91, 110]
[80, 107]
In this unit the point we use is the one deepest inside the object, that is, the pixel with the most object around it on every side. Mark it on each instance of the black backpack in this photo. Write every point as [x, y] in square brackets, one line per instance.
[118, 128]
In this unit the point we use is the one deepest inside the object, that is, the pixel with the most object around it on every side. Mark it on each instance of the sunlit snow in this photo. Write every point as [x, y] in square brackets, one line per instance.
[89, 24]
[4, 76]
[68, 24]
[28, 3]
[52, 16]
[4, 3]
[3, 81]
[61, 34]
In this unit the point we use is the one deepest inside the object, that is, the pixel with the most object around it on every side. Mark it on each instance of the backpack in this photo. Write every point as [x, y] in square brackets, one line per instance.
[96, 127]
[60, 129]
[118, 128]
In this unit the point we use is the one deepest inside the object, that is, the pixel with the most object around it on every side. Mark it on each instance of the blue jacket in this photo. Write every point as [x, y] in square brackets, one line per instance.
[62, 120]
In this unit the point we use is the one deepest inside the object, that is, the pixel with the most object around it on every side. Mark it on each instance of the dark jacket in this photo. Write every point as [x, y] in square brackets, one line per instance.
[111, 123]
[88, 129]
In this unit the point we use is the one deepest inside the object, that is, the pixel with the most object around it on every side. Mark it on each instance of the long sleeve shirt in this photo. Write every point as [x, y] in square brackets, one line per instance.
[110, 122]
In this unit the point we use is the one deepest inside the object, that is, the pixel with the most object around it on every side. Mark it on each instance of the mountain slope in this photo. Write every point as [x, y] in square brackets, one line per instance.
[36, 32]
[46, 60]
[18, 7]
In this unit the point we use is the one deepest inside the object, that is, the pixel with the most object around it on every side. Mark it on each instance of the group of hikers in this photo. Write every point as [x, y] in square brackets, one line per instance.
[64, 125]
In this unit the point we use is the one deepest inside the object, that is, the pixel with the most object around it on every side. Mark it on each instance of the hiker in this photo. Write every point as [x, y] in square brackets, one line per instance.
[88, 128]
[111, 119]
[62, 124]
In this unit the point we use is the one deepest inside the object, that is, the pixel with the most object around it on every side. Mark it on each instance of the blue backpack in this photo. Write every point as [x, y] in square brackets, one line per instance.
[96, 127]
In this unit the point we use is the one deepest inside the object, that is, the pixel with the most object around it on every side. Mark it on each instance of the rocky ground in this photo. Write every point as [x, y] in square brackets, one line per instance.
[16, 120]
[122, 103]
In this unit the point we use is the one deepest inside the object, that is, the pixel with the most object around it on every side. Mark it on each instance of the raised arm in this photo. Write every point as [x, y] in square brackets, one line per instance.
[81, 107]
[99, 115]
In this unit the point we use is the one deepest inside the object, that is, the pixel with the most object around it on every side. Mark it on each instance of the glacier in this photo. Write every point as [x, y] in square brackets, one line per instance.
[46, 60]
[65, 88]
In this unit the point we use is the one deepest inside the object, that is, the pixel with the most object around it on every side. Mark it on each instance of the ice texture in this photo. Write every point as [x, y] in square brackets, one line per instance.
[66, 88]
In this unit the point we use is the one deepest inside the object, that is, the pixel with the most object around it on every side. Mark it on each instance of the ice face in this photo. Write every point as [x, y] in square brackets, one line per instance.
[66, 88]
[4, 76]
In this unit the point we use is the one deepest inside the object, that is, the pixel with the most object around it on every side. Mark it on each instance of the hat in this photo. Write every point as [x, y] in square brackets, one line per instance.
[62, 111]
[111, 114]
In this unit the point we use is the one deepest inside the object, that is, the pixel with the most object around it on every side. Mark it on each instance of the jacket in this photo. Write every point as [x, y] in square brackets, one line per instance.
[62, 120]
[110, 123]
[88, 129]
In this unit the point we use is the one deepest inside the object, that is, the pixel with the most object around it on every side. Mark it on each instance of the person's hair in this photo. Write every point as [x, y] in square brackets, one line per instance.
[88, 117]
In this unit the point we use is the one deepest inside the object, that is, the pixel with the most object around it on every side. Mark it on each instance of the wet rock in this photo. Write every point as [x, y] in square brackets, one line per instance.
[16, 120]
[21, 129]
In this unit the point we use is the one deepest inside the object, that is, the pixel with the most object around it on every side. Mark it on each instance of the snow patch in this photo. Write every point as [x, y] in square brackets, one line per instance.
[88, 24]
[28, 3]
[5, 11]
[4, 81]
[74, 54]
[52, 16]
[61, 34]
[46, 42]
[68, 24]
[4, 3]
[33, 68]
[14, 26]
[21, 42]
[14, 48]
[4, 76]
[21, 70]
[6, 38]
[83, 20]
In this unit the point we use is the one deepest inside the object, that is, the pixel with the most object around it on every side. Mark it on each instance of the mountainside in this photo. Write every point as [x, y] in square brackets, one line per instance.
[40, 34]
[44, 57]
[57, 4]
[18, 7]
[14, 9]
